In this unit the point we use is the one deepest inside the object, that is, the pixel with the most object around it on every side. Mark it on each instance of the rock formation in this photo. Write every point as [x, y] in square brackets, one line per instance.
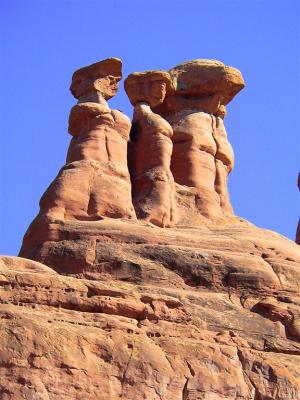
[151, 149]
[107, 306]
[224, 160]
[95, 181]
[202, 156]
[152, 313]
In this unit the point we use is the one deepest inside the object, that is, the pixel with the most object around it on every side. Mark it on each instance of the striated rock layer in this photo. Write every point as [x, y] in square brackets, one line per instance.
[151, 313]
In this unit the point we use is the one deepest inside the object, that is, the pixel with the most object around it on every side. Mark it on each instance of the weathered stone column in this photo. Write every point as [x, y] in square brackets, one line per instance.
[95, 181]
[202, 156]
[224, 160]
[151, 149]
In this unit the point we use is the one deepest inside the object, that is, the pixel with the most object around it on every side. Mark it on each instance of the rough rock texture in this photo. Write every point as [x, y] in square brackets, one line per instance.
[148, 86]
[202, 156]
[113, 307]
[224, 160]
[193, 161]
[179, 155]
[207, 77]
[151, 313]
[191, 101]
[103, 77]
[151, 149]
[95, 181]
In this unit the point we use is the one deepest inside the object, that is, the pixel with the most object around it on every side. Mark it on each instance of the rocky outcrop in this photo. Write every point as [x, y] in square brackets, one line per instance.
[224, 160]
[201, 78]
[151, 313]
[179, 155]
[151, 149]
[202, 157]
[168, 296]
[95, 181]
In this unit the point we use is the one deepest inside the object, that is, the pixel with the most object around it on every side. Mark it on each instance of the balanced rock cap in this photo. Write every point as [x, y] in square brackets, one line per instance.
[101, 76]
[207, 77]
[138, 86]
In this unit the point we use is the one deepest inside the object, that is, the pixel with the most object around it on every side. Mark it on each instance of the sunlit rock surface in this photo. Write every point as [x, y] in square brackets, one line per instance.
[163, 295]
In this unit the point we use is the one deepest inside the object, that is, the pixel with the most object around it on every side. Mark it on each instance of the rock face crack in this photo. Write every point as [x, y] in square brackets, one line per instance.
[248, 380]
[123, 379]
[265, 258]
[185, 392]
[192, 372]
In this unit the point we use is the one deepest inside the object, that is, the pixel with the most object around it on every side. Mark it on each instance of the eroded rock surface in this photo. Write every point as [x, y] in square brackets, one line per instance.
[202, 156]
[151, 313]
[151, 149]
[104, 305]
[95, 181]
[178, 155]
[207, 77]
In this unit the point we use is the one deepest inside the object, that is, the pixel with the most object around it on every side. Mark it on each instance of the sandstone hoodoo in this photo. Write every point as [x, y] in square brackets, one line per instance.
[164, 294]
[202, 155]
[95, 181]
[151, 149]
[206, 78]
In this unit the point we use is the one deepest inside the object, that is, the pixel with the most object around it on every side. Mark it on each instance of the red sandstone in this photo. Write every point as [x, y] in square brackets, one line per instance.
[165, 296]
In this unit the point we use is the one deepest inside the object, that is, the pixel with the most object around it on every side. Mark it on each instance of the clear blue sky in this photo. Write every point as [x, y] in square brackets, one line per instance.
[43, 42]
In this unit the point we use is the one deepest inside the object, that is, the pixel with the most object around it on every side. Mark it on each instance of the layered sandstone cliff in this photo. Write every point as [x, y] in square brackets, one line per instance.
[136, 280]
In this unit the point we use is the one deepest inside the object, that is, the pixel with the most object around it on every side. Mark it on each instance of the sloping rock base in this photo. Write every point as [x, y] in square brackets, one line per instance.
[132, 311]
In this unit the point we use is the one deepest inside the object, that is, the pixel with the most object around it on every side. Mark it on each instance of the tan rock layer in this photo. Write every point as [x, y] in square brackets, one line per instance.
[152, 313]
